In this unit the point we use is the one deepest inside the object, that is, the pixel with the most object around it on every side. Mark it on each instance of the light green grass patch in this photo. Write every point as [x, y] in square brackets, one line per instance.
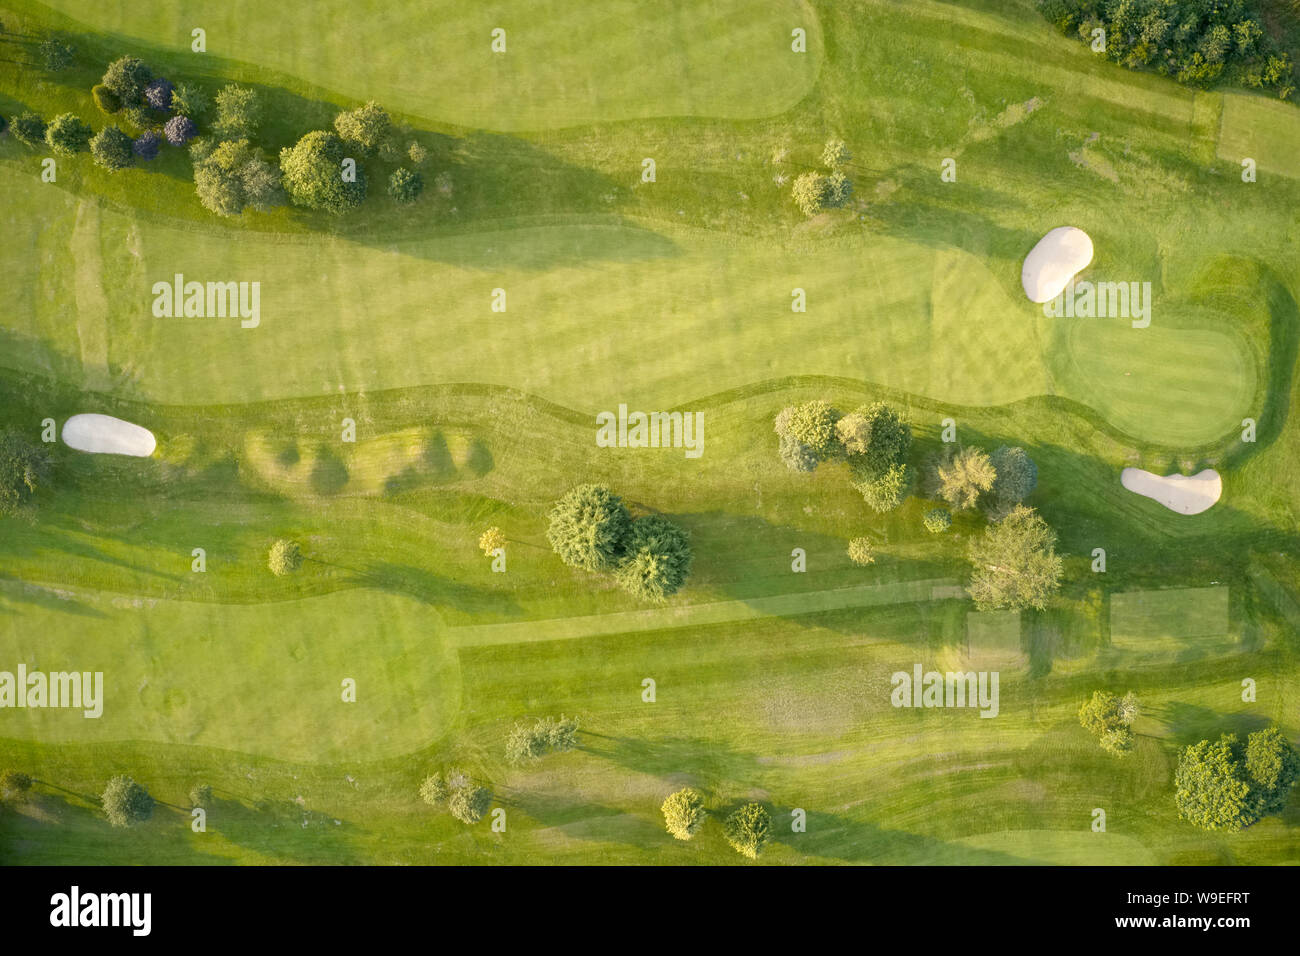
[1265, 130]
[993, 638]
[1177, 621]
[263, 678]
[567, 62]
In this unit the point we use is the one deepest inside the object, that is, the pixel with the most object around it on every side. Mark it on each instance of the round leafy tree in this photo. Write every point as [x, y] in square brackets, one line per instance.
[405, 185]
[888, 491]
[434, 790]
[126, 802]
[24, 468]
[1015, 563]
[146, 145]
[367, 126]
[105, 99]
[809, 193]
[812, 425]
[684, 813]
[314, 174]
[158, 94]
[1210, 787]
[285, 557]
[14, 784]
[68, 135]
[201, 796]
[796, 455]
[861, 552]
[56, 55]
[749, 829]
[179, 130]
[29, 129]
[189, 100]
[233, 176]
[1272, 768]
[590, 528]
[937, 520]
[658, 559]
[469, 802]
[492, 539]
[112, 149]
[1016, 475]
[964, 475]
[128, 77]
[417, 153]
[875, 438]
[239, 111]
[835, 154]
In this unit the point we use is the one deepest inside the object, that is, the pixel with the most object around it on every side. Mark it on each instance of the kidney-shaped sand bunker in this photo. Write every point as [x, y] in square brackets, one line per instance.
[1188, 495]
[1057, 258]
[106, 435]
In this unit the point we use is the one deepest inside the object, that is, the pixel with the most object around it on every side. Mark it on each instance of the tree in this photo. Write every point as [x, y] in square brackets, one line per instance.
[233, 176]
[657, 561]
[158, 94]
[405, 185]
[179, 130]
[284, 558]
[24, 469]
[886, 492]
[434, 790]
[684, 813]
[367, 126]
[1108, 717]
[749, 829]
[105, 99]
[68, 135]
[189, 100]
[469, 802]
[796, 455]
[111, 149]
[29, 129]
[239, 112]
[127, 77]
[14, 784]
[492, 539]
[963, 476]
[835, 154]
[1016, 475]
[861, 551]
[1272, 768]
[201, 796]
[1210, 789]
[528, 742]
[875, 438]
[313, 174]
[146, 145]
[837, 190]
[55, 54]
[809, 193]
[417, 153]
[126, 802]
[590, 528]
[937, 520]
[811, 424]
[1016, 564]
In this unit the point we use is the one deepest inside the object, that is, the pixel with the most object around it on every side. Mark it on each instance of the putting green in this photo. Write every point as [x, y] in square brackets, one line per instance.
[264, 679]
[567, 62]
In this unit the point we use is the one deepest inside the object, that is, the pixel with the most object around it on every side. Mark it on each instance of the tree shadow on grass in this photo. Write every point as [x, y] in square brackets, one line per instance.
[840, 838]
[284, 829]
[1191, 723]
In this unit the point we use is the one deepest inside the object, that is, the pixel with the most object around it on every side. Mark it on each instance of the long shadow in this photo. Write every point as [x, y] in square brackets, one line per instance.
[284, 829]
[1190, 723]
[840, 838]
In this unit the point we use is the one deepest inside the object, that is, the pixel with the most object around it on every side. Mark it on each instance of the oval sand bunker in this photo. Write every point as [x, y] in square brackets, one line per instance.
[1181, 493]
[106, 435]
[1050, 265]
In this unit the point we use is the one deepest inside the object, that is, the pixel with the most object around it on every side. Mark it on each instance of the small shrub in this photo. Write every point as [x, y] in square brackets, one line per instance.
[284, 558]
[14, 784]
[146, 145]
[68, 135]
[469, 802]
[201, 796]
[179, 130]
[405, 185]
[55, 55]
[684, 813]
[937, 520]
[861, 552]
[112, 149]
[158, 94]
[434, 789]
[126, 802]
[29, 129]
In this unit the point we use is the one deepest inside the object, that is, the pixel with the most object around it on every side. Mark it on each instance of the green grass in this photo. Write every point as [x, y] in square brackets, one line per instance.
[770, 685]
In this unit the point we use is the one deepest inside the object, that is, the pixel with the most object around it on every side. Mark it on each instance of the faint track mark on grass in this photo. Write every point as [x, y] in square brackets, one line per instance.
[699, 615]
[92, 303]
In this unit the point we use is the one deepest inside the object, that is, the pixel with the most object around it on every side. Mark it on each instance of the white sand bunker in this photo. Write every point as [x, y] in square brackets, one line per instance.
[105, 435]
[1186, 495]
[1059, 257]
